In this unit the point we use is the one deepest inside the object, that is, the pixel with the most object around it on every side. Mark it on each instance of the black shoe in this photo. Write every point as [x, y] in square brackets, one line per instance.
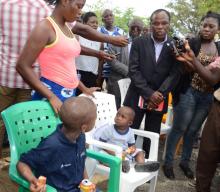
[168, 172]
[187, 171]
[149, 166]
[125, 166]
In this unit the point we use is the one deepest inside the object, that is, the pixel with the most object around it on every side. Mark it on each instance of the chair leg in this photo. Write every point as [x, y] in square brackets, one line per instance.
[127, 188]
[165, 148]
[90, 166]
[153, 183]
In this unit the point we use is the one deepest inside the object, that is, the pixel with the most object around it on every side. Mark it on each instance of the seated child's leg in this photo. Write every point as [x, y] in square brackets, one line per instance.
[140, 157]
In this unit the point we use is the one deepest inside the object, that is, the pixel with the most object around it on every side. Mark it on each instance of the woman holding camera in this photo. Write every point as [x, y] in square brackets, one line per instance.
[192, 98]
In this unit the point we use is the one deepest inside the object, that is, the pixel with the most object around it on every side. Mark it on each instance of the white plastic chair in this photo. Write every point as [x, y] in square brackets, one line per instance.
[106, 111]
[165, 127]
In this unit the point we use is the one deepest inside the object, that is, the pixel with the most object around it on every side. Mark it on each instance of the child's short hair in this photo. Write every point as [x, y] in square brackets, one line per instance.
[130, 111]
[77, 111]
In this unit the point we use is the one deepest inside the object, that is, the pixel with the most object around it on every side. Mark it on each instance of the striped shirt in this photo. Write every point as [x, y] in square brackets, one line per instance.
[116, 32]
[17, 19]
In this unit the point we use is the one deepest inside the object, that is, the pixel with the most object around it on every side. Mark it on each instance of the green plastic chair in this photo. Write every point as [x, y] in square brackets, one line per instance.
[29, 122]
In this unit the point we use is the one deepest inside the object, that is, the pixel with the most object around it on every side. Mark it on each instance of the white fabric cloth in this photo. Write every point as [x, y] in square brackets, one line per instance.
[88, 63]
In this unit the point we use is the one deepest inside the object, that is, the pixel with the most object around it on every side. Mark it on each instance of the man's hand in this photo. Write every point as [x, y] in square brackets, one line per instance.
[151, 106]
[120, 41]
[55, 103]
[155, 99]
[106, 56]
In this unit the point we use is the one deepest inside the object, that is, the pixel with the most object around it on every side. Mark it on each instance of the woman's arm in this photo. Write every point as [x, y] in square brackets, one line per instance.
[100, 79]
[211, 76]
[94, 53]
[39, 38]
[86, 90]
[91, 34]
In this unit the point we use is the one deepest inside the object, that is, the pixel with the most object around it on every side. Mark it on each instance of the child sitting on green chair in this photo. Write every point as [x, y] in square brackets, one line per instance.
[60, 157]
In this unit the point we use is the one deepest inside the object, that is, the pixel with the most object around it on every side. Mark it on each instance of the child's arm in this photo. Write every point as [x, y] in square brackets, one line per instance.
[27, 173]
[109, 152]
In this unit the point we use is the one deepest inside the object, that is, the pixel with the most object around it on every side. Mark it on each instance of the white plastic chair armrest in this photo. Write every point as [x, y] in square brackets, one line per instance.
[154, 137]
[107, 146]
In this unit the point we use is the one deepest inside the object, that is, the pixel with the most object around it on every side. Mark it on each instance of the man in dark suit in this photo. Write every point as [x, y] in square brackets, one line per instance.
[153, 70]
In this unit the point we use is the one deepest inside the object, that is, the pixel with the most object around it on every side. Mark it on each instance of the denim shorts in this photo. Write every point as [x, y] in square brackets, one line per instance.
[61, 92]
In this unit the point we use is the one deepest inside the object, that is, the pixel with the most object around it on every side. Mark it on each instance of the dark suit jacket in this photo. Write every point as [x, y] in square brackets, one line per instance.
[147, 75]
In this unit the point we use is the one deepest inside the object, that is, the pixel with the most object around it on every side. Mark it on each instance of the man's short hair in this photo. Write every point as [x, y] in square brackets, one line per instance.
[136, 21]
[158, 11]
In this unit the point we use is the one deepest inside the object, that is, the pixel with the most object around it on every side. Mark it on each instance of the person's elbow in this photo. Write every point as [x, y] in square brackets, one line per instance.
[80, 29]
[19, 66]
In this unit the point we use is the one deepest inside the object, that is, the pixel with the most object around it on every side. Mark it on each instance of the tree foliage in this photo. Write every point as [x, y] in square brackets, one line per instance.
[186, 14]
[122, 18]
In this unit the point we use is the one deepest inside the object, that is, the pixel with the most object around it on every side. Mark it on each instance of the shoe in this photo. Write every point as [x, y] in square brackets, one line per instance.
[187, 171]
[125, 166]
[149, 166]
[192, 183]
[168, 172]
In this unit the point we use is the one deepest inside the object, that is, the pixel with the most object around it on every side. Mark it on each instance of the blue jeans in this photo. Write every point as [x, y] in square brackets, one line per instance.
[189, 114]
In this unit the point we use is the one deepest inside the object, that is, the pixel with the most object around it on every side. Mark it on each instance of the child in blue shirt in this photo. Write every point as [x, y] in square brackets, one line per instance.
[60, 157]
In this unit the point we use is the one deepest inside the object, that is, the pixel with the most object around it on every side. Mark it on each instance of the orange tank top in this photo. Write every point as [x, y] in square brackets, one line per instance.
[57, 60]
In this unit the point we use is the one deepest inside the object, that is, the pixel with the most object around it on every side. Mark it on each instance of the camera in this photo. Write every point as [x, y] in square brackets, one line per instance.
[178, 45]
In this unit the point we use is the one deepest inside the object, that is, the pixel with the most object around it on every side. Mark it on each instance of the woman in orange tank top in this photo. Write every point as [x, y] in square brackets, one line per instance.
[55, 47]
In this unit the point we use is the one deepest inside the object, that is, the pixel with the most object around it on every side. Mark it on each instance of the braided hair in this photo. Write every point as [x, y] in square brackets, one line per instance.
[212, 15]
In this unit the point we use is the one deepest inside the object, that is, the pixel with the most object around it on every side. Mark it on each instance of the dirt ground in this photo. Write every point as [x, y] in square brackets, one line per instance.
[181, 183]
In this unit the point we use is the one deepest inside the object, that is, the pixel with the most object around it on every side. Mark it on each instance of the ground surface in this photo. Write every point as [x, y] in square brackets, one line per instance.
[181, 184]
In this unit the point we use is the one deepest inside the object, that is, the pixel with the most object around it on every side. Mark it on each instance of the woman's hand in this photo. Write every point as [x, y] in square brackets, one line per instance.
[120, 41]
[188, 57]
[55, 103]
[89, 91]
[214, 65]
[106, 56]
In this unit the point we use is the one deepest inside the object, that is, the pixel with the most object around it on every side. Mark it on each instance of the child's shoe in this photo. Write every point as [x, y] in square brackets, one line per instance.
[125, 166]
[149, 166]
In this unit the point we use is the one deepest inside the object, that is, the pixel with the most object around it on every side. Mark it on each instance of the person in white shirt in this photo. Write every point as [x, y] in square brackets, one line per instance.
[88, 66]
